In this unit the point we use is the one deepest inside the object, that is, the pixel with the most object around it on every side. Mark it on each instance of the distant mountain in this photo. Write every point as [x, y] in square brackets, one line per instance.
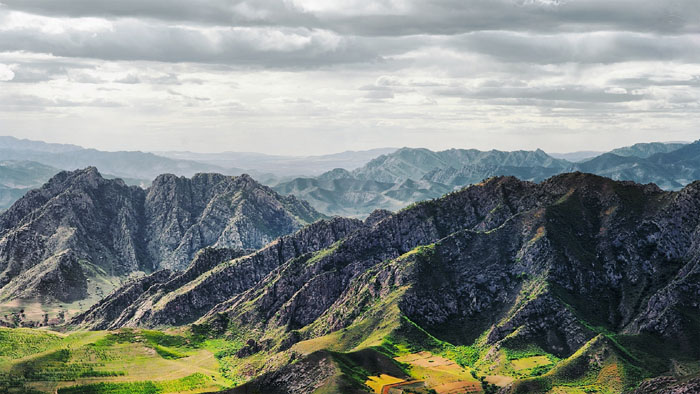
[645, 150]
[394, 180]
[339, 193]
[12, 143]
[670, 170]
[9, 195]
[139, 166]
[630, 167]
[578, 282]
[24, 174]
[283, 166]
[391, 180]
[18, 177]
[642, 150]
[408, 163]
[79, 234]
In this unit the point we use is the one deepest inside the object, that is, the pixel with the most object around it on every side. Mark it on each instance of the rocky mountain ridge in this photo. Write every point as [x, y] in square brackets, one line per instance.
[83, 229]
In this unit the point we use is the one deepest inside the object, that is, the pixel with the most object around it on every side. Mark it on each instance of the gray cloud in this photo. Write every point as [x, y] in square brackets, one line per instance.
[562, 93]
[602, 47]
[209, 12]
[136, 40]
[408, 18]
[693, 81]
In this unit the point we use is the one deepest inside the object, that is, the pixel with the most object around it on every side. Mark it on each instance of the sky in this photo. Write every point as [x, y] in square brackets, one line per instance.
[318, 76]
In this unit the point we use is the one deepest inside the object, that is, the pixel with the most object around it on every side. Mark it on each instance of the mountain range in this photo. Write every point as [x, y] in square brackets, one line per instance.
[578, 281]
[350, 183]
[395, 180]
[27, 164]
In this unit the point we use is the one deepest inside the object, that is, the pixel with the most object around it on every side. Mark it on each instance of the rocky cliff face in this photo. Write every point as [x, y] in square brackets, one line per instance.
[79, 226]
[184, 215]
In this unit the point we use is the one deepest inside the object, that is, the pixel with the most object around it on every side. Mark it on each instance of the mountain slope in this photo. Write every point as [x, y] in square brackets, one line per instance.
[515, 271]
[408, 163]
[87, 231]
[670, 170]
[195, 291]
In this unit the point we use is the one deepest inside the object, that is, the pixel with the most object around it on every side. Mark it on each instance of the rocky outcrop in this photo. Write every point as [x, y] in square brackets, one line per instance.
[184, 215]
[668, 385]
[80, 225]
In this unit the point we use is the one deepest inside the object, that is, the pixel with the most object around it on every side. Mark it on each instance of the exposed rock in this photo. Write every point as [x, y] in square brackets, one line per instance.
[80, 225]
[214, 277]
[668, 385]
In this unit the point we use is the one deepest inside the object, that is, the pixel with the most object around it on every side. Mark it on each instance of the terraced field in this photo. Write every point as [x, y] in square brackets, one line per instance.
[441, 374]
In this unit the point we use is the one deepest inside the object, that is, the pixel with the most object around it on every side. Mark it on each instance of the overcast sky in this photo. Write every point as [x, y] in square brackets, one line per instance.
[318, 76]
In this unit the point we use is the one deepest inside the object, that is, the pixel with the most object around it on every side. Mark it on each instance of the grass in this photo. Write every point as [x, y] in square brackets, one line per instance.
[189, 383]
[18, 343]
[530, 362]
[111, 362]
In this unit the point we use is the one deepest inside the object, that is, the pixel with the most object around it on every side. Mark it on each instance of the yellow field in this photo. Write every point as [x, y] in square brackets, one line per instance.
[499, 380]
[377, 382]
[530, 362]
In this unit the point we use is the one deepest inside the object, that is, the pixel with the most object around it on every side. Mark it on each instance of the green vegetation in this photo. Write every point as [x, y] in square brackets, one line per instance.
[127, 360]
[188, 383]
[465, 356]
[17, 343]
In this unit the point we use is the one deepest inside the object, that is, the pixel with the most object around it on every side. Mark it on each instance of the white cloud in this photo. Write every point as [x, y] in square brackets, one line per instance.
[6, 73]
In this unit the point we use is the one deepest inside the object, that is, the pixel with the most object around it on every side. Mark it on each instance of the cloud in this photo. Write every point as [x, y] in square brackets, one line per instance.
[208, 12]
[395, 17]
[27, 102]
[594, 47]
[562, 93]
[6, 73]
[141, 40]
[690, 81]
[235, 68]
